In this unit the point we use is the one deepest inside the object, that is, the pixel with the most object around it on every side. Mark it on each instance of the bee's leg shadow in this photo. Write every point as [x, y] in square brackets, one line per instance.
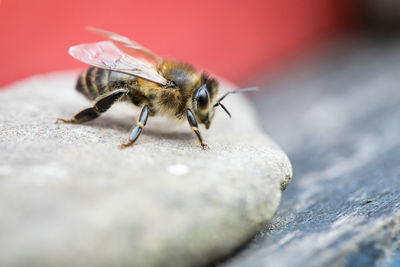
[193, 123]
[142, 120]
[101, 105]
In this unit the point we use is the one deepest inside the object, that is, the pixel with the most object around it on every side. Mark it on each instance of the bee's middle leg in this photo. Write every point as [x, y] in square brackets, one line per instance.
[142, 120]
[195, 128]
[101, 105]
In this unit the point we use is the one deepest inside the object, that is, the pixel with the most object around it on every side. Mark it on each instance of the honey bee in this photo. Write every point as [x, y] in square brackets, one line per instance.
[159, 86]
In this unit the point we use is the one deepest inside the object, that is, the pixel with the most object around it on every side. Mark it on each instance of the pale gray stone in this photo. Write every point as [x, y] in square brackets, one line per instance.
[70, 197]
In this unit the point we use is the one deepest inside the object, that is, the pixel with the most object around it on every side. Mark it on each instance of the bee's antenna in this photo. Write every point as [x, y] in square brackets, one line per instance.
[224, 108]
[245, 90]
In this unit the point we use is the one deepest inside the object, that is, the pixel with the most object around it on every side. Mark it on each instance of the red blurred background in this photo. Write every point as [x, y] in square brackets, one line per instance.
[229, 38]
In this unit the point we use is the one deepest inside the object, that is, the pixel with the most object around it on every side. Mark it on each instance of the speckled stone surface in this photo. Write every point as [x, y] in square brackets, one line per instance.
[341, 128]
[70, 197]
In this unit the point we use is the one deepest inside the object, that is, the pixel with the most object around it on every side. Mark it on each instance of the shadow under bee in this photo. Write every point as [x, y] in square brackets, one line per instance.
[119, 124]
[177, 135]
[124, 125]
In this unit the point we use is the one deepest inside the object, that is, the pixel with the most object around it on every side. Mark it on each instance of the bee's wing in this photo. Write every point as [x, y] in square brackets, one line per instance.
[125, 41]
[106, 55]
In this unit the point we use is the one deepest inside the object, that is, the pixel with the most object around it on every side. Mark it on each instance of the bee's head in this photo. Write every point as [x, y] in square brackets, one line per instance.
[204, 99]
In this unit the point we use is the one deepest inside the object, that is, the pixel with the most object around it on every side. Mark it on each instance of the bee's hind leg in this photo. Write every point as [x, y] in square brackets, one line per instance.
[193, 123]
[142, 120]
[102, 104]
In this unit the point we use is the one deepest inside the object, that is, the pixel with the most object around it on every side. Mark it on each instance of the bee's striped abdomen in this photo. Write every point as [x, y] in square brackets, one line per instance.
[93, 82]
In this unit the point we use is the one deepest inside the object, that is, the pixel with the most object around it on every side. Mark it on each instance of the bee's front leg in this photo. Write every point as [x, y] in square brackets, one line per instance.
[193, 123]
[144, 114]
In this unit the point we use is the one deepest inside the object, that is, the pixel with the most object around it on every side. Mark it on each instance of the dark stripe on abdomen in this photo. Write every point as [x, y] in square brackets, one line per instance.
[101, 81]
[93, 83]
[89, 82]
[81, 85]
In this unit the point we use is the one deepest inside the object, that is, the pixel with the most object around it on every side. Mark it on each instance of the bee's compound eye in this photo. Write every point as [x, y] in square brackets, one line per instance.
[202, 98]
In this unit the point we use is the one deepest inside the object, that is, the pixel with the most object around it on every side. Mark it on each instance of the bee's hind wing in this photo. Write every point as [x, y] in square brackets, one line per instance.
[106, 55]
[124, 41]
